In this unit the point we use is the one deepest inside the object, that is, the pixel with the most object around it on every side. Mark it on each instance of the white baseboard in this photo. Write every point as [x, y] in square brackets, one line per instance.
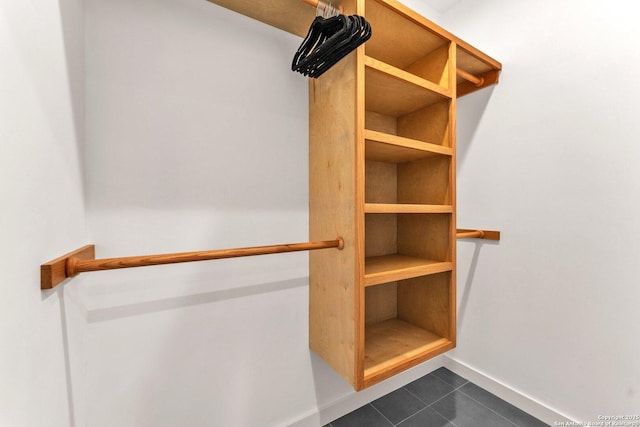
[520, 400]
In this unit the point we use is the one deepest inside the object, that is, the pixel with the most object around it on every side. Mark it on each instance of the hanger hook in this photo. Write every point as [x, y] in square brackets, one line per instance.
[326, 9]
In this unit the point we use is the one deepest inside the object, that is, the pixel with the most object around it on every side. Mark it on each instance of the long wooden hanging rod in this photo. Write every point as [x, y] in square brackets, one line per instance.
[463, 233]
[478, 81]
[83, 260]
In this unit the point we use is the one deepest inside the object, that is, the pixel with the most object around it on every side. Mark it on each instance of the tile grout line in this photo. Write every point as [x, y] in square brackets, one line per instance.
[448, 420]
[376, 409]
[409, 391]
[430, 404]
[483, 405]
[451, 392]
[415, 413]
[422, 410]
[436, 401]
[466, 381]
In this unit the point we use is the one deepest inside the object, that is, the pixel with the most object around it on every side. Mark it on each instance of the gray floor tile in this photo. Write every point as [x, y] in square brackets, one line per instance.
[365, 416]
[429, 388]
[503, 408]
[398, 405]
[463, 411]
[426, 418]
[449, 377]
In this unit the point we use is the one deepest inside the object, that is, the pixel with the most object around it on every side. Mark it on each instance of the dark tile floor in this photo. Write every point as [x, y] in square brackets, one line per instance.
[439, 399]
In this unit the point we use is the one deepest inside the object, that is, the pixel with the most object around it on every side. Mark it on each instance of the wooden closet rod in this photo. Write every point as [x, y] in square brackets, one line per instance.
[83, 260]
[462, 233]
[478, 81]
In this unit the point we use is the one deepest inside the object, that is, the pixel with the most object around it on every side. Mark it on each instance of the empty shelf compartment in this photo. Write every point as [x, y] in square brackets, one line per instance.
[419, 182]
[406, 323]
[401, 40]
[429, 124]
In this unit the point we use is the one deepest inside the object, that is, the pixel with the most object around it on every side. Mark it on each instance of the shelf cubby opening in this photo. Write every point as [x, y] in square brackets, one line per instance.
[396, 149]
[429, 124]
[404, 43]
[406, 323]
[401, 246]
[390, 94]
[420, 182]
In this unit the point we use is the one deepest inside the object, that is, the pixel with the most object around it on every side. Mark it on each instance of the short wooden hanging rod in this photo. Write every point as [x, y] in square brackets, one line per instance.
[478, 81]
[462, 233]
[83, 260]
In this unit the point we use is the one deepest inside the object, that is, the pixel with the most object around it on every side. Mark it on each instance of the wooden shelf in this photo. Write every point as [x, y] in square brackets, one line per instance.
[383, 208]
[390, 93]
[406, 76]
[395, 345]
[385, 147]
[389, 268]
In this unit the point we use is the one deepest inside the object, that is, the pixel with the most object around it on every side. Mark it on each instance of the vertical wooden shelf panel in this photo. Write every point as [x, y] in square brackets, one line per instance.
[334, 285]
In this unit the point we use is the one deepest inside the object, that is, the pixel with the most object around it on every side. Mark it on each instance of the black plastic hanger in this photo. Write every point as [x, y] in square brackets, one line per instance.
[360, 31]
[328, 41]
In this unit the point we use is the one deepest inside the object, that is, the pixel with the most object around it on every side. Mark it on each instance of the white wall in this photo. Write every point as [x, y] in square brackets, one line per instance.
[41, 203]
[550, 157]
[197, 138]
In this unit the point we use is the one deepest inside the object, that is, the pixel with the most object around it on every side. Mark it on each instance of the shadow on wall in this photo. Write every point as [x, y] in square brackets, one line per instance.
[470, 110]
[72, 20]
[466, 292]
[146, 307]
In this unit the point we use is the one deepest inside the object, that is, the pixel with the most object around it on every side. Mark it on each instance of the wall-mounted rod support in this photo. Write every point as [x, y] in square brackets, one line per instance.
[462, 233]
[83, 259]
[478, 81]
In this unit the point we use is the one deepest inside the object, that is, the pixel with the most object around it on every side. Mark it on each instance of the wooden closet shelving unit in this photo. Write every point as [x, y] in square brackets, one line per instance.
[382, 175]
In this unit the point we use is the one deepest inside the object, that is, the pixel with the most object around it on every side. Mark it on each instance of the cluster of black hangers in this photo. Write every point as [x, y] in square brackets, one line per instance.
[328, 41]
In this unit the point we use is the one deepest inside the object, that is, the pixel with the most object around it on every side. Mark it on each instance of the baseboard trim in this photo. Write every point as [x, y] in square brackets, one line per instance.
[503, 391]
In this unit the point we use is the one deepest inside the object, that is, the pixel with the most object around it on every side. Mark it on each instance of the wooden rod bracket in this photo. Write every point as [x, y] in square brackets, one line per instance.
[83, 260]
[463, 233]
[54, 272]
